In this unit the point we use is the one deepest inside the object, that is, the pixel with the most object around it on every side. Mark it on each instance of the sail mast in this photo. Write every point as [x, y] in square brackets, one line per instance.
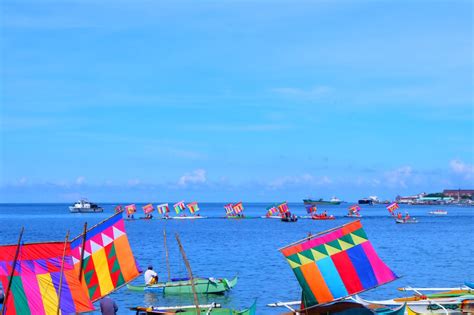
[167, 258]
[82, 251]
[4, 307]
[61, 274]
[191, 278]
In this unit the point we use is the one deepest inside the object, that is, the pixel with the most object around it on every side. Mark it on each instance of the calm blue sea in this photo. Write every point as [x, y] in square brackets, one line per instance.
[438, 251]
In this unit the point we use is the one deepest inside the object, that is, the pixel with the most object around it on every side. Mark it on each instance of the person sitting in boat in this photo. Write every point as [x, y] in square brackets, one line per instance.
[399, 215]
[325, 213]
[407, 216]
[151, 277]
[149, 216]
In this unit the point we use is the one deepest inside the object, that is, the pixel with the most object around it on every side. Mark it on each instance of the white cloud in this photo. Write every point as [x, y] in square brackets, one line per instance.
[399, 176]
[80, 180]
[461, 168]
[195, 177]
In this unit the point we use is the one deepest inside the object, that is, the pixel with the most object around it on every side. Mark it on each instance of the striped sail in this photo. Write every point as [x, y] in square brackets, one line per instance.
[179, 206]
[238, 207]
[148, 208]
[108, 261]
[163, 208]
[35, 282]
[336, 264]
[193, 207]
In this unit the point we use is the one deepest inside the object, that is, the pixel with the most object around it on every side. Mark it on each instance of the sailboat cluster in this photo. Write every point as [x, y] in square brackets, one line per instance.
[332, 268]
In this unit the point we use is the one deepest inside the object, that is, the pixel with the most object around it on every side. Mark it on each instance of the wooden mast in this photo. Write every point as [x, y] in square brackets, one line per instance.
[4, 306]
[167, 258]
[61, 274]
[191, 278]
[82, 251]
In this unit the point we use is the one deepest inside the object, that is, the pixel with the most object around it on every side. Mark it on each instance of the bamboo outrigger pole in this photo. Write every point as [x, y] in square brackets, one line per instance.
[167, 258]
[82, 251]
[61, 274]
[191, 278]
[4, 306]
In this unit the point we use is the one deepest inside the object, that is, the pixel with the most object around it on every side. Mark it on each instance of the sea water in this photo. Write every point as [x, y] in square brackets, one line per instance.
[436, 252]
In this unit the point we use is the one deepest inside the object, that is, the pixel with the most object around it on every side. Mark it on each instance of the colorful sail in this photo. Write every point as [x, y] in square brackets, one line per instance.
[238, 207]
[163, 208]
[118, 208]
[354, 209]
[311, 209]
[179, 206]
[283, 207]
[148, 208]
[108, 261]
[36, 280]
[229, 211]
[336, 264]
[271, 211]
[131, 209]
[193, 207]
[392, 207]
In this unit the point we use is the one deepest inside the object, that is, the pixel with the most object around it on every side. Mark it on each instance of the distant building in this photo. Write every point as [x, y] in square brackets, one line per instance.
[409, 199]
[458, 193]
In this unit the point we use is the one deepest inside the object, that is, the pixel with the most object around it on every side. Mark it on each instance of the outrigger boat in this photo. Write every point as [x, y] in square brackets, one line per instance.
[406, 220]
[194, 286]
[183, 286]
[450, 302]
[193, 207]
[354, 212]
[288, 217]
[278, 209]
[234, 211]
[213, 308]
[187, 285]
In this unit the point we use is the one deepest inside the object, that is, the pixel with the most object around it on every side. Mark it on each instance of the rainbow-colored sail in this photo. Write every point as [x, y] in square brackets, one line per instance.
[148, 208]
[163, 208]
[36, 279]
[336, 264]
[238, 207]
[229, 211]
[193, 207]
[131, 209]
[283, 207]
[179, 206]
[108, 259]
[392, 207]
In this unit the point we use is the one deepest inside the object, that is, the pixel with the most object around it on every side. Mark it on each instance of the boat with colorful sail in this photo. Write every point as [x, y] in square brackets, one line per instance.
[148, 209]
[164, 210]
[180, 208]
[130, 210]
[353, 212]
[212, 308]
[332, 266]
[276, 211]
[234, 211]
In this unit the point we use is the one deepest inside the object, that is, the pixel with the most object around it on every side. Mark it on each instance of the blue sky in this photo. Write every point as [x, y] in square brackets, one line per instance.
[234, 100]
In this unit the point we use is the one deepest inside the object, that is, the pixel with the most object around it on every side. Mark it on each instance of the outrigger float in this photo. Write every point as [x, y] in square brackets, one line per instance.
[213, 308]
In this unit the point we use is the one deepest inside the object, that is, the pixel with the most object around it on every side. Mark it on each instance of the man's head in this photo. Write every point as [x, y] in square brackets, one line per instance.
[150, 267]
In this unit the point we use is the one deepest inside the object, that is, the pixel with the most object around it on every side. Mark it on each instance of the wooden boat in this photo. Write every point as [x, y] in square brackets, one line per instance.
[183, 286]
[289, 219]
[422, 304]
[213, 308]
[406, 221]
[322, 217]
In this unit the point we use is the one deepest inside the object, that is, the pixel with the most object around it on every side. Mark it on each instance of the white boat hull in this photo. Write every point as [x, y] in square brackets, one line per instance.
[194, 217]
[85, 210]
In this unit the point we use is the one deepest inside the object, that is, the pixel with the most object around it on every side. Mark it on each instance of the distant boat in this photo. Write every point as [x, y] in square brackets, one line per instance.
[84, 206]
[333, 201]
[366, 201]
[438, 212]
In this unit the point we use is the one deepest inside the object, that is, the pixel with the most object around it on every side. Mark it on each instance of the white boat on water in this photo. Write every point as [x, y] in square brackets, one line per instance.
[189, 217]
[438, 212]
[84, 206]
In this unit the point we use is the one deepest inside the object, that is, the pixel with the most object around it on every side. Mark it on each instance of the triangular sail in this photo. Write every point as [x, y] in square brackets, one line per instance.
[108, 261]
[36, 280]
[336, 264]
